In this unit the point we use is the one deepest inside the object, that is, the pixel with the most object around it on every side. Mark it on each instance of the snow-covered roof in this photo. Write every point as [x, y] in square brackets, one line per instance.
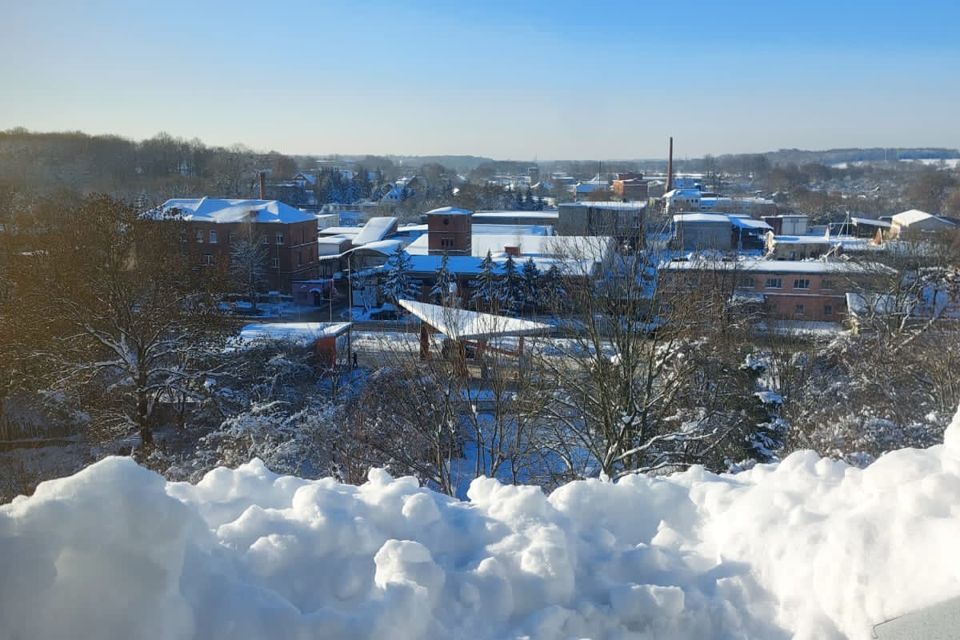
[912, 216]
[375, 230]
[870, 222]
[682, 193]
[449, 211]
[299, 332]
[384, 247]
[479, 216]
[349, 232]
[776, 266]
[591, 248]
[512, 229]
[334, 239]
[464, 324]
[701, 217]
[749, 223]
[633, 205]
[805, 240]
[230, 210]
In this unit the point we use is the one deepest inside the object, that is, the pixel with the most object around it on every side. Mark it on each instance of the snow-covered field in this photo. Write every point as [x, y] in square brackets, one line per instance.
[810, 548]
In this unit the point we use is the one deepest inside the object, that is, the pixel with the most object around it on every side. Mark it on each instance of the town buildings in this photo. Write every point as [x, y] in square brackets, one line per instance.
[213, 228]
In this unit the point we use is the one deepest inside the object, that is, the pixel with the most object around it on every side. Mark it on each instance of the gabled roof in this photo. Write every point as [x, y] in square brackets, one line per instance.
[911, 216]
[463, 324]
[229, 210]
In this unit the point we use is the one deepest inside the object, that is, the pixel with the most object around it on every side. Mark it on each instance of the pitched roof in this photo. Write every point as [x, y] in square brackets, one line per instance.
[229, 210]
[463, 324]
[376, 230]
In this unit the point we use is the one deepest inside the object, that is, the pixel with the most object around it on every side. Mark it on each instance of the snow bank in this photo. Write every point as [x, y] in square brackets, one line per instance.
[809, 548]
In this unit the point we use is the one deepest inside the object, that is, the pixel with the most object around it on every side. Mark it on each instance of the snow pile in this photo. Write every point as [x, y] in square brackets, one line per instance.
[809, 548]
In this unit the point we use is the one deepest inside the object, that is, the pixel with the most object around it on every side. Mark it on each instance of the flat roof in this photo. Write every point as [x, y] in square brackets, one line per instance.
[538, 215]
[775, 266]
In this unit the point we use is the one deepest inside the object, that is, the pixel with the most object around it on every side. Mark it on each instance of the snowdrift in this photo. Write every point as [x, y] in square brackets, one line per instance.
[809, 548]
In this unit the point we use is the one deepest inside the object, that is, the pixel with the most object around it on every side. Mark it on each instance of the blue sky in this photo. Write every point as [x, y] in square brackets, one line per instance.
[519, 80]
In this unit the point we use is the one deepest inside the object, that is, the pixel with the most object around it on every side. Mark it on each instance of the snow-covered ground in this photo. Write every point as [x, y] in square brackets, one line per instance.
[809, 548]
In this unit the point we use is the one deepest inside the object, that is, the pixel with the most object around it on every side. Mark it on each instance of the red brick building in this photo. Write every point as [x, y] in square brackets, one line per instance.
[213, 227]
[787, 289]
[450, 231]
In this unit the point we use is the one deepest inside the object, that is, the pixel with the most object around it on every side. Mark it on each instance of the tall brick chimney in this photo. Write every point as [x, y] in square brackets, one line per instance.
[263, 184]
[670, 167]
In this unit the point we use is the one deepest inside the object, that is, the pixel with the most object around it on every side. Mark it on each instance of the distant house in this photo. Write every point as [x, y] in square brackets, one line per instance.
[681, 200]
[621, 220]
[702, 231]
[914, 221]
[800, 247]
[212, 227]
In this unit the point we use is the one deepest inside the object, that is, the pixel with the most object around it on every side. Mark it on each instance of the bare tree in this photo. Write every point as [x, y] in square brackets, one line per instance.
[124, 315]
[248, 264]
[632, 389]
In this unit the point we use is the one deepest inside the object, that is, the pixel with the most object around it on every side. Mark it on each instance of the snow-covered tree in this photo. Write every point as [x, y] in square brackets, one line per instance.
[552, 290]
[441, 292]
[248, 264]
[485, 293]
[128, 322]
[397, 284]
[510, 291]
[530, 274]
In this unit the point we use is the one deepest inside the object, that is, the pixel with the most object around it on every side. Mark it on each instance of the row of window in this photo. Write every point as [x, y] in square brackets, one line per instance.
[798, 283]
[212, 238]
[207, 259]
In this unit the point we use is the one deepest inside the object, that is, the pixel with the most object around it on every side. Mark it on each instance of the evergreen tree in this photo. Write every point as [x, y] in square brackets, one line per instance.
[485, 292]
[551, 287]
[397, 285]
[518, 201]
[510, 291]
[441, 291]
[531, 285]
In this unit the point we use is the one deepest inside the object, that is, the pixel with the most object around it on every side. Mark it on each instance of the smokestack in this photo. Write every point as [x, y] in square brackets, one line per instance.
[670, 167]
[263, 184]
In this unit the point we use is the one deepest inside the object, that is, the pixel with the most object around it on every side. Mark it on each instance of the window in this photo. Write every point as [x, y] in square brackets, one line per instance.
[263, 240]
[299, 258]
[229, 236]
[207, 259]
[747, 281]
[276, 263]
[801, 283]
[798, 309]
[828, 310]
[826, 284]
[774, 283]
[200, 236]
[279, 238]
[213, 237]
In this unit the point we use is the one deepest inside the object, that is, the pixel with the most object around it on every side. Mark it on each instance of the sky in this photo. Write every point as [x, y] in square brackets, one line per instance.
[507, 79]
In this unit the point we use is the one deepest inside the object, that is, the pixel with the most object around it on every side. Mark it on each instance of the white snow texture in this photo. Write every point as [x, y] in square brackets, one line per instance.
[808, 548]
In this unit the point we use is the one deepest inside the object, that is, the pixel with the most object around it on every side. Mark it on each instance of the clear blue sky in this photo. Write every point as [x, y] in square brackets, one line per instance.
[559, 79]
